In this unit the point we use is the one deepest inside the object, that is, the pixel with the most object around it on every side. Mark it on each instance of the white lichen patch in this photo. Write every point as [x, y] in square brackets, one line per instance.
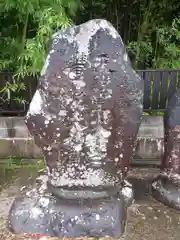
[44, 202]
[36, 104]
[47, 62]
[125, 57]
[97, 143]
[88, 30]
[87, 177]
[79, 84]
[127, 192]
[35, 212]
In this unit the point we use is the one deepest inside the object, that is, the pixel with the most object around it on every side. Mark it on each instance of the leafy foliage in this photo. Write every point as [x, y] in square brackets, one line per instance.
[168, 52]
[24, 43]
[149, 28]
[26, 27]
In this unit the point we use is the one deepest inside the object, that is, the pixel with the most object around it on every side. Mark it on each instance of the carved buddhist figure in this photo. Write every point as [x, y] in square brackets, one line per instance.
[85, 117]
[166, 188]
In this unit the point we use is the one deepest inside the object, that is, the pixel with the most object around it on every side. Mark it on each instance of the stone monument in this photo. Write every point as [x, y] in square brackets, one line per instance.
[85, 117]
[166, 187]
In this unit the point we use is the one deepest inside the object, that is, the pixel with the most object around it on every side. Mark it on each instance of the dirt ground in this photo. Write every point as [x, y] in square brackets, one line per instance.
[147, 219]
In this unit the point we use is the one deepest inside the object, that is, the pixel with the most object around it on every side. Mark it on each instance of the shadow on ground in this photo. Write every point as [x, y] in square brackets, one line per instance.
[147, 219]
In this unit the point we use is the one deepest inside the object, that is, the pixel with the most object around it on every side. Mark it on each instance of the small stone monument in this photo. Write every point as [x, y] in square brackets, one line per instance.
[166, 187]
[85, 117]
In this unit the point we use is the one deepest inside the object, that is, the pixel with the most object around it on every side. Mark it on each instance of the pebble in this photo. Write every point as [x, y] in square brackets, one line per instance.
[150, 208]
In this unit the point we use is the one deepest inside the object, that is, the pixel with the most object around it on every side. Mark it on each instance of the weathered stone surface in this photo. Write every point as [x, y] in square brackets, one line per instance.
[166, 187]
[87, 109]
[85, 116]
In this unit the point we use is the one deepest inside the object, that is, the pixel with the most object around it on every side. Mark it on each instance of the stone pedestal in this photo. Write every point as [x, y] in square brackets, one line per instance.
[71, 213]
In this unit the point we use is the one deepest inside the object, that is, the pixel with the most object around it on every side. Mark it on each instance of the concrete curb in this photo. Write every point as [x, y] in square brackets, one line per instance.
[15, 140]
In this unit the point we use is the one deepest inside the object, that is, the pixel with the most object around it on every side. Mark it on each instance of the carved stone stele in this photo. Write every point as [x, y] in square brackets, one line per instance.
[85, 117]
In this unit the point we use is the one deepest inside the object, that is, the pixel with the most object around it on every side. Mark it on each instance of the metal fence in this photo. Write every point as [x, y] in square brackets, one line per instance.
[159, 87]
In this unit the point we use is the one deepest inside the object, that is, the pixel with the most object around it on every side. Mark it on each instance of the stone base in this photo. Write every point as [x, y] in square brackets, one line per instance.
[166, 189]
[51, 216]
